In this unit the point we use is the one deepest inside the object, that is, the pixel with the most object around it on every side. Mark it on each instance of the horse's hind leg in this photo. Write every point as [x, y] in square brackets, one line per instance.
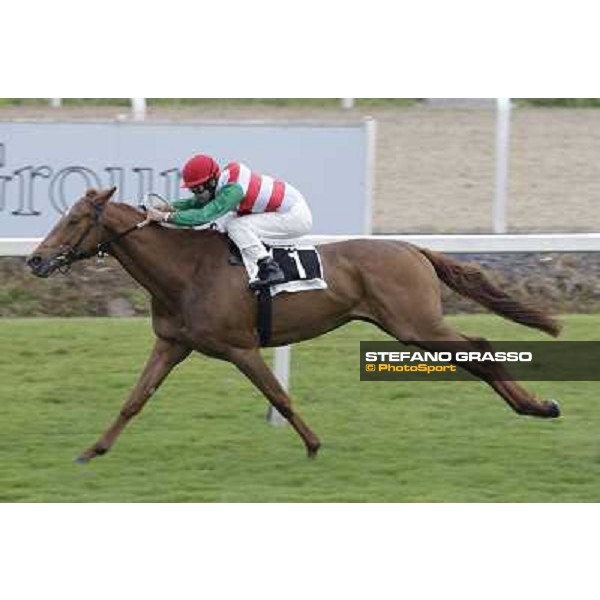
[494, 374]
[498, 378]
[407, 305]
[252, 364]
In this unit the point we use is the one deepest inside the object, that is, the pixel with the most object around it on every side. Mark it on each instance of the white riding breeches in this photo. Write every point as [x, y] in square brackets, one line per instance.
[249, 231]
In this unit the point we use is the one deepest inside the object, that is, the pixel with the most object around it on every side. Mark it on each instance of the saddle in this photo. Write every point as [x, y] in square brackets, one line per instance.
[303, 271]
[298, 263]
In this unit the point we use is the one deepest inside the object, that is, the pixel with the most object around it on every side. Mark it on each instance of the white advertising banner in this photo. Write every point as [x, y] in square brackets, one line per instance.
[46, 166]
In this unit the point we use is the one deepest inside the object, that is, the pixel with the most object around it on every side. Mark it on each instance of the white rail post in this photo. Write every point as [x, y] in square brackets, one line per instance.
[370, 125]
[138, 107]
[502, 157]
[55, 102]
[281, 368]
[347, 103]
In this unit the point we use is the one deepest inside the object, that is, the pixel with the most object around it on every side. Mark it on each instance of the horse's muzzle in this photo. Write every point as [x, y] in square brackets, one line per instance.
[42, 267]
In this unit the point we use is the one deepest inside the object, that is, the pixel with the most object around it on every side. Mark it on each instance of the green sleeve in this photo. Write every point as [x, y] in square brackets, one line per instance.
[184, 204]
[225, 201]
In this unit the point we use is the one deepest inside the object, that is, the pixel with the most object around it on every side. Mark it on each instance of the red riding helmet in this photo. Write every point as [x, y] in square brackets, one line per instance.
[199, 170]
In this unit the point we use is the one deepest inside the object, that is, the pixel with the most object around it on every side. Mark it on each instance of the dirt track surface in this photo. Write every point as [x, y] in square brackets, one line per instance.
[435, 166]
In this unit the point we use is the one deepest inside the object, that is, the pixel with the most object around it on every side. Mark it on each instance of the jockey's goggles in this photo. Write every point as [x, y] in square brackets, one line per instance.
[209, 186]
[199, 189]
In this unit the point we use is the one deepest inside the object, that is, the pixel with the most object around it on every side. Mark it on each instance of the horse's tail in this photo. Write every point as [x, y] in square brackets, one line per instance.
[471, 282]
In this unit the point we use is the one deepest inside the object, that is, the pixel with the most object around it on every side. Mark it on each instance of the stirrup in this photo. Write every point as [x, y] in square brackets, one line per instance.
[259, 284]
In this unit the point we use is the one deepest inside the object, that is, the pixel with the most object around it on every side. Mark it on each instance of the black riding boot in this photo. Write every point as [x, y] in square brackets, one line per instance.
[269, 273]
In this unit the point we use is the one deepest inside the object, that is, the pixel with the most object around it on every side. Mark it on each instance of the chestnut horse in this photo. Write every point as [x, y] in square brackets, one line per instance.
[200, 303]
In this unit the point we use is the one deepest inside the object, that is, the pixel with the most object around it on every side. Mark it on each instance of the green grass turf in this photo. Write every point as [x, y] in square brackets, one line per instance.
[203, 437]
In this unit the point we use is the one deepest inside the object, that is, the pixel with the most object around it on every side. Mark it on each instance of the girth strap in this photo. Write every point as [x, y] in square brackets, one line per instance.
[265, 315]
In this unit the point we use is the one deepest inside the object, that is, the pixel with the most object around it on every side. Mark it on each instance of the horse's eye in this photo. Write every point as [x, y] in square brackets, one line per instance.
[73, 221]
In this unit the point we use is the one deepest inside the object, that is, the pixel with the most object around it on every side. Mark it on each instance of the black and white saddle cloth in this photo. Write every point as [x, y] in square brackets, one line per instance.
[301, 265]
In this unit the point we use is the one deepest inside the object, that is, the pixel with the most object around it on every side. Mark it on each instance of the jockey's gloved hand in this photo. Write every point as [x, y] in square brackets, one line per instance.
[157, 215]
[157, 201]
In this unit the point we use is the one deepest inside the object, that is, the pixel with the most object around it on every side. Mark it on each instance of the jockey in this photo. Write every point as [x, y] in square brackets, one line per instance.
[261, 207]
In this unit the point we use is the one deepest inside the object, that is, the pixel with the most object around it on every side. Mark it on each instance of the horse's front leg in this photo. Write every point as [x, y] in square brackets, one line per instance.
[165, 355]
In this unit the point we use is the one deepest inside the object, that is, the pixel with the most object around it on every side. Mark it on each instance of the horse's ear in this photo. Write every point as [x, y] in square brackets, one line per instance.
[91, 194]
[106, 195]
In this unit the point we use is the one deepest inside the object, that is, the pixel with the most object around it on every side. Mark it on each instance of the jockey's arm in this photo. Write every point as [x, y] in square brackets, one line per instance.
[187, 215]
[183, 204]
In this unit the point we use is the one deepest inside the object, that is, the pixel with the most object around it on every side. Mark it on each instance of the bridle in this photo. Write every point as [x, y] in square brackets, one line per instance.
[72, 253]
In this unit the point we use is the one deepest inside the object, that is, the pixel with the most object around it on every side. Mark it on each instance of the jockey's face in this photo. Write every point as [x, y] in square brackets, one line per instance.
[205, 192]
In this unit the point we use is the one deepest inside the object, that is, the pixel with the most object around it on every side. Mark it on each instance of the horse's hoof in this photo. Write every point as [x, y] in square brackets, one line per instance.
[313, 451]
[553, 409]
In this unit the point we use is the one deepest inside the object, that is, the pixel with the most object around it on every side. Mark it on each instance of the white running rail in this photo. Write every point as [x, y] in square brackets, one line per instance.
[459, 244]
